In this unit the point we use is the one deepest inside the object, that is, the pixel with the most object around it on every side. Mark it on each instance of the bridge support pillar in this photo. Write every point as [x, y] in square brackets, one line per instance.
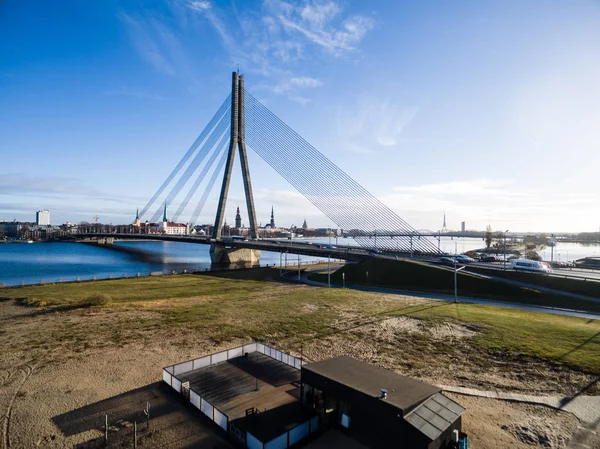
[221, 255]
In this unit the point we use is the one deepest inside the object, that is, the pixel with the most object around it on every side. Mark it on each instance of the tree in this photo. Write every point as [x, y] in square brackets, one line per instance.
[488, 236]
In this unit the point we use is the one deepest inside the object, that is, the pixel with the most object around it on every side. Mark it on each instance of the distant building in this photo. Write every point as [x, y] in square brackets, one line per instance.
[463, 227]
[272, 223]
[166, 226]
[238, 219]
[42, 218]
[304, 225]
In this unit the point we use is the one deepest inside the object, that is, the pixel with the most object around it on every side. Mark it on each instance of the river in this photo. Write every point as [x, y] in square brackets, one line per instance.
[54, 261]
[51, 262]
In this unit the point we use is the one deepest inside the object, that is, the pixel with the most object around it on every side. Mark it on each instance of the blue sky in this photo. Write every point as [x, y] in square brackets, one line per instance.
[488, 110]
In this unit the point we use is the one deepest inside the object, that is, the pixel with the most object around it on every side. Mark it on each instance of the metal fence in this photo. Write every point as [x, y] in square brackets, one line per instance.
[286, 439]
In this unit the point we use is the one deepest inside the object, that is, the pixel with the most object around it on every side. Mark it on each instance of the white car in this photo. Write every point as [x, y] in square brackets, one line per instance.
[530, 265]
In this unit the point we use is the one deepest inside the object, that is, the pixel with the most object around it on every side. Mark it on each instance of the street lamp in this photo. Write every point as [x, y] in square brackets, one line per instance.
[456, 279]
[552, 248]
[505, 249]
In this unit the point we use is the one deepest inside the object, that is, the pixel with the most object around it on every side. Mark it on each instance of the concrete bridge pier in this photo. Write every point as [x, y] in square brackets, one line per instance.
[105, 240]
[221, 255]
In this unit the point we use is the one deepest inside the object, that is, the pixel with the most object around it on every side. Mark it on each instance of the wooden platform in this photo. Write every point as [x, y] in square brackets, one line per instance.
[256, 381]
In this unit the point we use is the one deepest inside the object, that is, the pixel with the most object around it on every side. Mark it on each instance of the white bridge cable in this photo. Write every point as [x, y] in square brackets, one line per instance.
[326, 206]
[324, 184]
[219, 130]
[217, 149]
[211, 183]
[223, 109]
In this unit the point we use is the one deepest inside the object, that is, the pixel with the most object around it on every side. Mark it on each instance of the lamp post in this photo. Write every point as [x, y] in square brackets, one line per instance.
[329, 270]
[505, 249]
[551, 248]
[375, 231]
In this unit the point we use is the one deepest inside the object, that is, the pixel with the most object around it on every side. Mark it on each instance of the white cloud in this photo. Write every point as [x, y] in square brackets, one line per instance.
[146, 44]
[200, 6]
[282, 35]
[160, 45]
[321, 23]
[503, 203]
[373, 123]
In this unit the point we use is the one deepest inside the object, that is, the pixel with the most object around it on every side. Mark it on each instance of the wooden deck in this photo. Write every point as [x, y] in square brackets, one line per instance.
[254, 382]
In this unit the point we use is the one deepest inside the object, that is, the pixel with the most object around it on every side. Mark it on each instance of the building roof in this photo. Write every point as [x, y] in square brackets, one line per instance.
[434, 415]
[402, 392]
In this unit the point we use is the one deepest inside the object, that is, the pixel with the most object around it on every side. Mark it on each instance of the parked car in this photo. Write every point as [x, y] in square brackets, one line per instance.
[530, 265]
[488, 258]
[461, 258]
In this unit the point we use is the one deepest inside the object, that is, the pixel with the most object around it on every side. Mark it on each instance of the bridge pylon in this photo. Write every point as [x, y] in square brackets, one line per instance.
[220, 254]
[237, 141]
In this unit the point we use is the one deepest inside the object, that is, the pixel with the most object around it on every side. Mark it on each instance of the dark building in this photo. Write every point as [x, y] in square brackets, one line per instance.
[272, 222]
[238, 219]
[377, 407]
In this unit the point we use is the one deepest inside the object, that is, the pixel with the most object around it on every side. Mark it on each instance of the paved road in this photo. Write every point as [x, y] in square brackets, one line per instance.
[450, 298]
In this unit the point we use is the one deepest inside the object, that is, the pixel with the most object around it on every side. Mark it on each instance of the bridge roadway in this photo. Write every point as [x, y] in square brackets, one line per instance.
[276, 246]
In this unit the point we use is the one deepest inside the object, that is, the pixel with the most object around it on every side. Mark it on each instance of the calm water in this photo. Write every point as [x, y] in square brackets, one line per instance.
[31, 263]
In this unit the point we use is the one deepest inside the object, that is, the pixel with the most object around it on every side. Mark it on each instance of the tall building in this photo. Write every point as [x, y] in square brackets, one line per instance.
[463, 226]
[42, 218]
[304, 225]
[238, 219]
[137, 218]
[272, 219]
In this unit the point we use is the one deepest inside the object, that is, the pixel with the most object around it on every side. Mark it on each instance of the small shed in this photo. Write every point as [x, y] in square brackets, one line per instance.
[378, 407]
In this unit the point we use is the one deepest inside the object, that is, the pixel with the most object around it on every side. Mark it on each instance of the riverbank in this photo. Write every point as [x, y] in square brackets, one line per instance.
[117, 335]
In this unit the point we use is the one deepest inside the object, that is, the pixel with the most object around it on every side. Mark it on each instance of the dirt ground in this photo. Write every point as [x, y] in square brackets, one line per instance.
[56, 394]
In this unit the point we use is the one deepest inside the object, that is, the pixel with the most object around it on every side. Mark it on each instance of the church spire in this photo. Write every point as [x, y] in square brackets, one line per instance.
[137, 214]
[165, 213]
[238, 218]
[272, 218]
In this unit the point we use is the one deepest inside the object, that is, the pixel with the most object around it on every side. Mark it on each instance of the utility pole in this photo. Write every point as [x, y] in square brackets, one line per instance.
[298, 267]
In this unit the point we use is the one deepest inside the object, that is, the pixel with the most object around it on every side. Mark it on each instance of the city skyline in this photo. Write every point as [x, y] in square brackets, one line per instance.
[117, 94]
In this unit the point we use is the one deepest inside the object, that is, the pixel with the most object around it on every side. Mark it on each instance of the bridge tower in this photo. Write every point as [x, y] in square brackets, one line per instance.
[220, 254]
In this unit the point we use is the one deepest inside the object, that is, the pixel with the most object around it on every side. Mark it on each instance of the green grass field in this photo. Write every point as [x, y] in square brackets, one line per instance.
[254, 304]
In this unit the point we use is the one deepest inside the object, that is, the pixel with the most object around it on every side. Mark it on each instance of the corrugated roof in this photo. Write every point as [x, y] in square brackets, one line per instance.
[402, 392]
[434, 415]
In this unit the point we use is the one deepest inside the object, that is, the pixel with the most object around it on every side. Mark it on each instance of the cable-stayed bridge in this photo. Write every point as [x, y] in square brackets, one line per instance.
[243, 122]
